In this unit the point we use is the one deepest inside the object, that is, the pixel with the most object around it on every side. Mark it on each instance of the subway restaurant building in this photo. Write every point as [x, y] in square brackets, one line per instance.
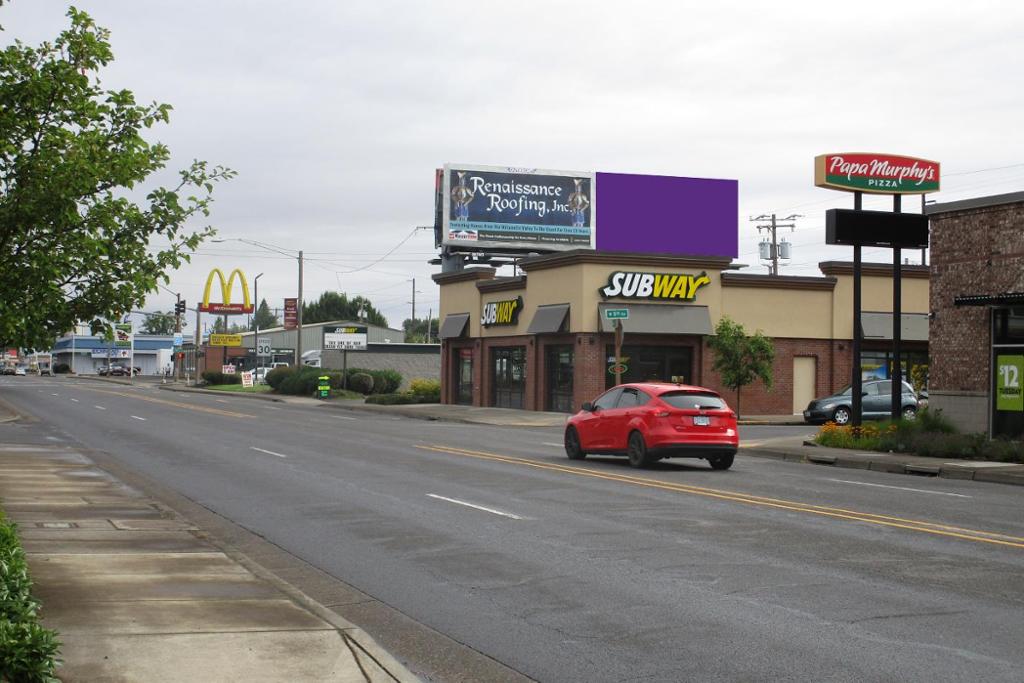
[544, 340]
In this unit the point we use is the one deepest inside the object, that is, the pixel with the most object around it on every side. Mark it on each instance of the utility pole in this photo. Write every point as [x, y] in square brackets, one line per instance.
[772, 227]
[177, 330]
[298, 320]
[430, 319]
[414, 301]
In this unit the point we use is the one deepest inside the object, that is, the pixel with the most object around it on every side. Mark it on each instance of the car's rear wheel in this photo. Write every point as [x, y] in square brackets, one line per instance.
[572, 444]
[841, 416]
[909, 413]
[721, 462]
[638, 455]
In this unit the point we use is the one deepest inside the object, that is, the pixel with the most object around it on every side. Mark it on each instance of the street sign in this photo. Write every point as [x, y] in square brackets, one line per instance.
[263, 346]
[228, 369]
[291, 313]
[225, 340]
[177, 340]
[616, 314]
[246, 380]
[123, 335]
[323, 386]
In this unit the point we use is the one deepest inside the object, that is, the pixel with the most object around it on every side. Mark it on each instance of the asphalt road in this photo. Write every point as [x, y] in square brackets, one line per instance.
[591, 571]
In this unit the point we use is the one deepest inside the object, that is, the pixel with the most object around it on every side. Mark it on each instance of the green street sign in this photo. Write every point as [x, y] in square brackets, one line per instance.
[616, 314]
[1009, 373]
[324, 386]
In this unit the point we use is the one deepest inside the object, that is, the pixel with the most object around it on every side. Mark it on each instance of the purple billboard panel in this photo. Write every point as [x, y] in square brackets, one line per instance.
[667, 215]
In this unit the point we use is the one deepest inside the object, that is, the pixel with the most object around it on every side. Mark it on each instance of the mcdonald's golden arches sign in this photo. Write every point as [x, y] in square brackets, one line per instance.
[226, 306]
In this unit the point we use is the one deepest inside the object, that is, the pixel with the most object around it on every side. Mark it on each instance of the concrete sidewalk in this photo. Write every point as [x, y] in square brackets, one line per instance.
[137, 593]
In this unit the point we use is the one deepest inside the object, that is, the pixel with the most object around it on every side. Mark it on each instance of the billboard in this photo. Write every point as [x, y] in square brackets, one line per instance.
[291, 313]
[489, 208]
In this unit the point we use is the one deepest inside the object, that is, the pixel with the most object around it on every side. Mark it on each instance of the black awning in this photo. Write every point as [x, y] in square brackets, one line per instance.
[454, 325]
[1004, 299]
[549, 319]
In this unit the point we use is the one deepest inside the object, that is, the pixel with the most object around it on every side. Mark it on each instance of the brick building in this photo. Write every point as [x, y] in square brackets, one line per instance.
[977, 305]
[544, 340]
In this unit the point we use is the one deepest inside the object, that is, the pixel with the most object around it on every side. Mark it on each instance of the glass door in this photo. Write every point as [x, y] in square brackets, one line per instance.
[558, 361]
[508, 366]
[464, 377]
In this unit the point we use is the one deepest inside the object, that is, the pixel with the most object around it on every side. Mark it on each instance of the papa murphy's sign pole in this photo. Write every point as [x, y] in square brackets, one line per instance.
[860, 172]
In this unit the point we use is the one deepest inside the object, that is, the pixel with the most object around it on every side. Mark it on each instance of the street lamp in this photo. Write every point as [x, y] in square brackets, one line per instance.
[298, 321]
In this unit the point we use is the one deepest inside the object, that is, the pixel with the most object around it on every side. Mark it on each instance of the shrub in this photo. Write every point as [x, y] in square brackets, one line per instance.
[28, 652]
[400, 399]
[361, 382]
[61, 368]
[425, 387]
[384, 381]
[217, 377]
[276, 376]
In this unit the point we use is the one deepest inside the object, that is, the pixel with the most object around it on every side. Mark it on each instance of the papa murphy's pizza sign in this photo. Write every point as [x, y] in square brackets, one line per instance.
[877, 173]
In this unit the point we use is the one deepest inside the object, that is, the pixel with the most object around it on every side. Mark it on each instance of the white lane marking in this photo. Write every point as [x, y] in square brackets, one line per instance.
[54, 394]
[271, 407]
[220, 400]
[99, 407]
[345, 417]
[136, 417]
[552, 443]
[899, 488]
[75, 400]
[264, 450]
[475, 507]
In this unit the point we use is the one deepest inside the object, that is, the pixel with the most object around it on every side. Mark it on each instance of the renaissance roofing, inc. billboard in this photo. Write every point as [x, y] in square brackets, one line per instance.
[495, 208]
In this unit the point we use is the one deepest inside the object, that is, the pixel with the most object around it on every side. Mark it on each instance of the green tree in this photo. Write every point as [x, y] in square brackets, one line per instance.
[416, 330]
[74, 245]
[739, 358]
[337, 306]
[233, 328]
[159, 323]
[264, 318]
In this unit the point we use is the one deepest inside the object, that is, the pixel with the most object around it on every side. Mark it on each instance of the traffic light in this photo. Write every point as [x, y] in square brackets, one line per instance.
[179, 308]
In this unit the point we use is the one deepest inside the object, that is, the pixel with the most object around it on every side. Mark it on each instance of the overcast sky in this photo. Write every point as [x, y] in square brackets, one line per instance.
[335, 114]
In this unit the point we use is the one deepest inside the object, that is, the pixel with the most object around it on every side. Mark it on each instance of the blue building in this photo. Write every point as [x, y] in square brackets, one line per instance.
[86, 354]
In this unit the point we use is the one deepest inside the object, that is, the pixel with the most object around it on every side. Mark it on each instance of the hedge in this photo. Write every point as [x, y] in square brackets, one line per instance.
[401, 399]
[28, 652]
[218, 377]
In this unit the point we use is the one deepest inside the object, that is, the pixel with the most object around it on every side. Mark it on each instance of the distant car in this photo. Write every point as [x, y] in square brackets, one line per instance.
[20, 370]
[876, 404]
[650, 421]
[119, 371]
[8, 370]
[259, 375]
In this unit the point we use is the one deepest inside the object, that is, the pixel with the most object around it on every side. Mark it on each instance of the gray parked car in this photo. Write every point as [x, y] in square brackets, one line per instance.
[876, 404]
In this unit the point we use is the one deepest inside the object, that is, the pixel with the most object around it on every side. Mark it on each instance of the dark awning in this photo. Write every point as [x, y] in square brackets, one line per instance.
[548, 319]
[454, 325]
[1004, 299]
[658, 319]
[913, 326]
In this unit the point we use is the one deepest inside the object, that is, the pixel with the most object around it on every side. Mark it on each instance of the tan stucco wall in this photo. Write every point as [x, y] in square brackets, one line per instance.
[795, 313]
[462, 297]
[876, 295]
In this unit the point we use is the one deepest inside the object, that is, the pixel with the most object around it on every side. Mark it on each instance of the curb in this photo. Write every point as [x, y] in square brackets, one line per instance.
[108, 380]
[938, 470]
[367, 408]
[214, 392]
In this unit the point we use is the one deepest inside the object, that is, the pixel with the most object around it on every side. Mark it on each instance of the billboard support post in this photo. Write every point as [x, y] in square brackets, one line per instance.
[857, 388]
[896, 376]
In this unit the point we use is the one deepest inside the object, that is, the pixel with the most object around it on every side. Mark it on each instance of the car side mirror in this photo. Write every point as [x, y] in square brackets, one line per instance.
[864, 393]
[589, 407]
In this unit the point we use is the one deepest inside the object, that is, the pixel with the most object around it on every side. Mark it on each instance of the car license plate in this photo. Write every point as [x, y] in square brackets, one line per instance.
[701, 420]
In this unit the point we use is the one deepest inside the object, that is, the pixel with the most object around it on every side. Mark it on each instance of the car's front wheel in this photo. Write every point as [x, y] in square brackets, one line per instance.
[572, 444]
[721, 462]
[841, 416]
[637, 451]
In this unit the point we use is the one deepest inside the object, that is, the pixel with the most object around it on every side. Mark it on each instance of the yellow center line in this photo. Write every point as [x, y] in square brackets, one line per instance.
[186, 406]
[750, 499]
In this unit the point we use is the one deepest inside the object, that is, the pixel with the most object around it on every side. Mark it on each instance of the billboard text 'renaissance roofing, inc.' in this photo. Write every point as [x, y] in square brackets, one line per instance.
[495, 208]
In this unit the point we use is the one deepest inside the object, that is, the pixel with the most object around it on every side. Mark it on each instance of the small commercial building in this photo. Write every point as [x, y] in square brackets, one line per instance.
[544, 340]
[977, 304]
[385, 350]
[86, 354]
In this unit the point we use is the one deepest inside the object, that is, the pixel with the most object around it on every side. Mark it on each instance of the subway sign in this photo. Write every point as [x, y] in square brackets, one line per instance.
[658, 286]
[502, 312]
[876, 173]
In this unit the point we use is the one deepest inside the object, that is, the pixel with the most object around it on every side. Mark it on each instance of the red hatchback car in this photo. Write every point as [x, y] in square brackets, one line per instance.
[651, 421]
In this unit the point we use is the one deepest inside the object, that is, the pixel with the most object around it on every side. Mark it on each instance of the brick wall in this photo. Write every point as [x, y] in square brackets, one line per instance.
[976, 251]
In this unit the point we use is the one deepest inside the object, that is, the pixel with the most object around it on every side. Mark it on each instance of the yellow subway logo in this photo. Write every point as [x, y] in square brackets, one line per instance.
[660, 286]
[502, 312]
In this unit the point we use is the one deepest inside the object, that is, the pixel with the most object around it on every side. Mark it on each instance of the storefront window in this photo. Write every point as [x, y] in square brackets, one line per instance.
[878, 365]
[1008, 373]
[652, 364]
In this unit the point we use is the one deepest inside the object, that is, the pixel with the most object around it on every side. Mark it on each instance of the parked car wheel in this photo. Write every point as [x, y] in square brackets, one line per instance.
[572, 444]
[721, 462]
[638, 456]
[909, 412]
[841, 416]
